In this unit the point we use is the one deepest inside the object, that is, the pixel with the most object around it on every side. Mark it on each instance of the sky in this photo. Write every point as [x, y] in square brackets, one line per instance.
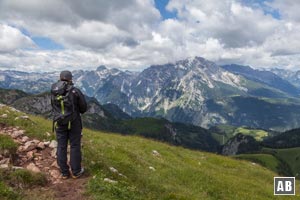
[40, 35]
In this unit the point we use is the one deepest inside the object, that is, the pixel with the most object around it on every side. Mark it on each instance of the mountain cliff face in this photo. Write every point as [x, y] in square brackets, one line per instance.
[265, 77]
[240, 144]
[28, 82]
[291, 76]
[193, 91]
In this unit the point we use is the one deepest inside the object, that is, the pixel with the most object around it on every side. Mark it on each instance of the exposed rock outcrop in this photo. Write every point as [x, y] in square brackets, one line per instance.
[240, 144]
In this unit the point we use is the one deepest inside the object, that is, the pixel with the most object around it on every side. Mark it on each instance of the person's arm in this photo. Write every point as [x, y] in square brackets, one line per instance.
[81, 102]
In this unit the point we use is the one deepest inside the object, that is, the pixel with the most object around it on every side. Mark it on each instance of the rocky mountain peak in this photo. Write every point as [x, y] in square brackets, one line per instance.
[101, 68]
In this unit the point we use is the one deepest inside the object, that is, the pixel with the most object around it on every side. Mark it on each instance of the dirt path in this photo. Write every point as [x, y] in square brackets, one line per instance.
[40, 156]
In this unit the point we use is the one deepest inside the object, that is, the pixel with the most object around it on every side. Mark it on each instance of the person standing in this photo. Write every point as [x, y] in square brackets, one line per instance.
[68, 103]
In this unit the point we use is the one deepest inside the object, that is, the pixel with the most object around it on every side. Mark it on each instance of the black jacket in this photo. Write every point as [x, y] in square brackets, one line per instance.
[79, 101]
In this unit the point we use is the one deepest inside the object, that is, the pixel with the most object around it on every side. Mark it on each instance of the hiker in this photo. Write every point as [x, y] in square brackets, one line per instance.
[68, 103]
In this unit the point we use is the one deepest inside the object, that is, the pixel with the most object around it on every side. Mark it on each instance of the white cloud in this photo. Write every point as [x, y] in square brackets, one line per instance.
[288, 9]
[12, 39]
[131, 34]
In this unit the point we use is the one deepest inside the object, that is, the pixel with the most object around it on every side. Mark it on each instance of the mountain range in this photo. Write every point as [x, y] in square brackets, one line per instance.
[194, 90]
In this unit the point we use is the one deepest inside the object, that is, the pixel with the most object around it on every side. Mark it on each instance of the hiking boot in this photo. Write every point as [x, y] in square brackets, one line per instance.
[65, 176]
[79, 174]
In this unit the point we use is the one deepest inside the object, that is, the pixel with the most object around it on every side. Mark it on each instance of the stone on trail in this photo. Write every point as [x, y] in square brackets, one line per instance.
[5, 161]
[30, 145]
[55, 173]
[30, 155]
[41, 145]
[17, 134]
[53, 153]
[33, 168]
[3, 166]
[47, 143]
[25, 139]
[53, 144]
[35, 141]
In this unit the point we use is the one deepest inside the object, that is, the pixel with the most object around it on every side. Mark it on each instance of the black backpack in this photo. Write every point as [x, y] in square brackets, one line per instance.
[62, 101]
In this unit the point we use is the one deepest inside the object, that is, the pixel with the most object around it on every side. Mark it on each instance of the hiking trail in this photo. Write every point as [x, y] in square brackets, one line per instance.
[40, 156]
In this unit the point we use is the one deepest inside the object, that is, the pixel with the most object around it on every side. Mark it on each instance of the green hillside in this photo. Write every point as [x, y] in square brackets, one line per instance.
[222, 133]
[282, 161]
[265, 160]
[173, 173]
[290, 156]
[186, 135]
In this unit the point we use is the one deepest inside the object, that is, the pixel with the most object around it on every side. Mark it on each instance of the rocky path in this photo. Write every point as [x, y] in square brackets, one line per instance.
[40, 156]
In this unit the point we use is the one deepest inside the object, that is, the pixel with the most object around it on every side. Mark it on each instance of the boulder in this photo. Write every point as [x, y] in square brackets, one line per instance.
[53, 144]
[30, 145]
[30, 155]
[35, 141]
[41, 145]
[240, 144]
[32, 167]
[47, 143]
[17, 134]
[25, 139]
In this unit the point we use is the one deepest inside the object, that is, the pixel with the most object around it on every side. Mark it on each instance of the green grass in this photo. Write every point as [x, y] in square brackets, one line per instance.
[14, 182]
[36, 127]
[266, 160]
[179, 173]
[7, 143]
[225, 132]
[291, 156]
[259, 135]
[145, 125]
[22, 178]
[7, 193]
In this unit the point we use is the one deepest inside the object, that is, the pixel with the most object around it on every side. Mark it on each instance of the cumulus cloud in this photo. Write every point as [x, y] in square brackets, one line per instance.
[230, 22]
[288, 9]
[131, 34]
[12, 39]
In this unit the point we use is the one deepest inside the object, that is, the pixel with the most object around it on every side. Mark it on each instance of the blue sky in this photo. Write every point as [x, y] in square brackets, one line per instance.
[47, 43]
[161, 6]
[134, 34]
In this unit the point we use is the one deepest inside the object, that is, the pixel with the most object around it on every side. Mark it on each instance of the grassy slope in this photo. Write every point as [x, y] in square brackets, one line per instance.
[291, 156]
[277, 160]
[265, 160]
[180, 173]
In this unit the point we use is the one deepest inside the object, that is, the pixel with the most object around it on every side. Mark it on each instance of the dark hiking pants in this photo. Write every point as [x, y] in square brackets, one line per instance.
[63, 135]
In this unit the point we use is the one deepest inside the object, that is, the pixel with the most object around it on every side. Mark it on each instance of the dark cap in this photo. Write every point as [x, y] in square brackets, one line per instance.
[66, 76]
